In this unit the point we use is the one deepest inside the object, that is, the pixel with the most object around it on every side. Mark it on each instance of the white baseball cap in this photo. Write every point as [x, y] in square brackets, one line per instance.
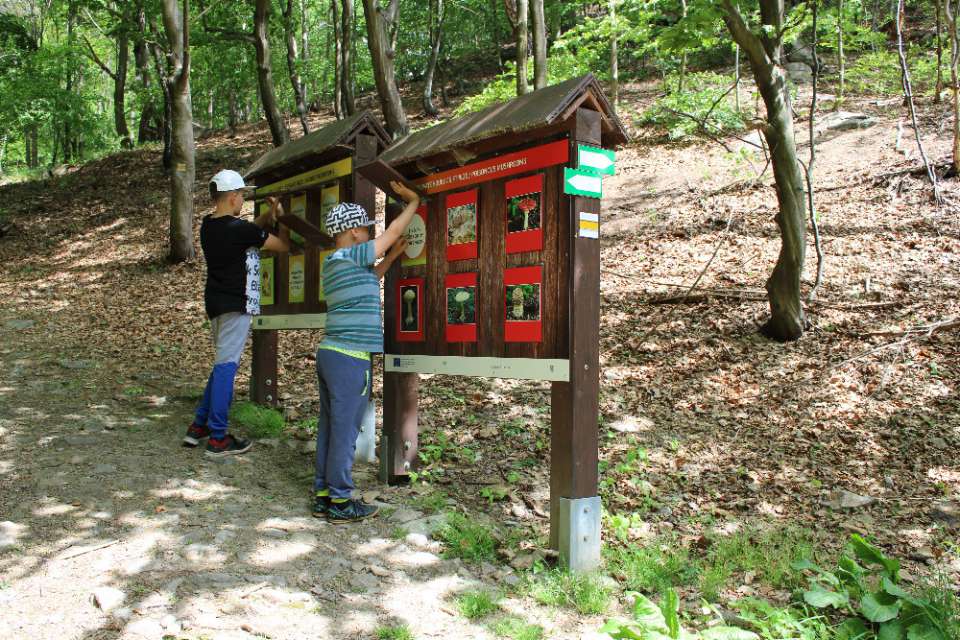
[228, 180]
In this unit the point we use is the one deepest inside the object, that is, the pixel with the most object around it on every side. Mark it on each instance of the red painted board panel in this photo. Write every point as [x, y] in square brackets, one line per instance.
[461, 305]
[461, 209]
[509, 164]
[524, 213]
[410, 321]
[522, 304]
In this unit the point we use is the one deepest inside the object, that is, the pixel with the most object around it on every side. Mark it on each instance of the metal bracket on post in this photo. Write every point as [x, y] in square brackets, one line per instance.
[579, 533]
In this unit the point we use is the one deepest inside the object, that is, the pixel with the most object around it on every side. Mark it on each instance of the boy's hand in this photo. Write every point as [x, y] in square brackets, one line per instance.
[276, 209]
[398, 247]
[408, 195]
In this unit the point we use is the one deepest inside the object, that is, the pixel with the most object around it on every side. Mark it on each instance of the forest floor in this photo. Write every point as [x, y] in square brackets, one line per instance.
[707, 428]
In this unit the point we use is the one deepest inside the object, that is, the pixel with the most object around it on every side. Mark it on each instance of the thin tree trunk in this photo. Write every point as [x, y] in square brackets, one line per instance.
[736, 78]
[841, 61]
[299, 89]
[814, 224]
[347, 17]
[183, 174]
[764, 52]
[614, 61]
[523, 85]
[436, 31]
[232, 111]
[939, 87]
[67, 130]
[951, 17]
[683, 56]
[167, 103]
[539, 44]
[495, 31]
[380, 24]
[908, 96]
[261, 40]
[119, 89]
[337, 61]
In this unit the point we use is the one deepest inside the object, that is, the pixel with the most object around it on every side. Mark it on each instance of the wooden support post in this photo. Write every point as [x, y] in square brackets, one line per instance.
[364, 192]
[574, 505]
[398, 440]
[263, 372]
[399, 437]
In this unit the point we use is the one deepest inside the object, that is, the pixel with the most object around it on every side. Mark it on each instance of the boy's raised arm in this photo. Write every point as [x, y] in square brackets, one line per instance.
[392, 233]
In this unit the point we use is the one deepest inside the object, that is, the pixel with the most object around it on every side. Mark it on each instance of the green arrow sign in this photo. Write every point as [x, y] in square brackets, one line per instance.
[582, 183]
[601, 161]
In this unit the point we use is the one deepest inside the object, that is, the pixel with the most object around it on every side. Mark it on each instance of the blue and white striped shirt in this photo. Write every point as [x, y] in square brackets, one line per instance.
[354, 316]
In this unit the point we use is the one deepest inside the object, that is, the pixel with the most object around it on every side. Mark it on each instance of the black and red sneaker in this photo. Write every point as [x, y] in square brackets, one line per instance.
[228, 446]
[195, 433]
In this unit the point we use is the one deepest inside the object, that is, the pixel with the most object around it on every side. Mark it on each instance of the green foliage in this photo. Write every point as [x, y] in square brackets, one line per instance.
[587, 593]
[516, 629]
[878, 73]
[258, 421]
[866, 586]
[704, 98]
[476, 604]
[467, 539]
[774, 623]
[655, 567]
[651, 622]
[399, 632]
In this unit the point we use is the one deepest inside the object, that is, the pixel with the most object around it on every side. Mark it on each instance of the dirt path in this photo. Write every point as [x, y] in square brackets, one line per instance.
[97, 499]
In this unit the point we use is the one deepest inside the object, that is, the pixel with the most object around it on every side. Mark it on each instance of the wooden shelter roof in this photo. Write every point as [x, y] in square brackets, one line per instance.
[526, 113]
[300, 154]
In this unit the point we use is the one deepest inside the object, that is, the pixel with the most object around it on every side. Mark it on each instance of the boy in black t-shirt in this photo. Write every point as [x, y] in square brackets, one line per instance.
[231, 248]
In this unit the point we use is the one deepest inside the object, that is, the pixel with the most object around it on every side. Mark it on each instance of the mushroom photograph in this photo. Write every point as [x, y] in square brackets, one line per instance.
[410, 318]
[462, 224]
[460, 305]
[523, 212]
[523, 302]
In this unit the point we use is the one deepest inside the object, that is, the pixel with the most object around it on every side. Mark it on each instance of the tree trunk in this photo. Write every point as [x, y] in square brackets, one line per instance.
[523, 85]
[840, 57]
[764, 53]
[119, 89]
[683, 56]
[183, 173]
[495, 31]
[67, 131]
[232, 111]
[299, 89]
[951, 17]
[539, 45]
[337, 61]
[436, 30]
[141, 58]
[614, 62]
[261, 40]
[939, 87]
[167, 125]
[380, 23]
[347, 17]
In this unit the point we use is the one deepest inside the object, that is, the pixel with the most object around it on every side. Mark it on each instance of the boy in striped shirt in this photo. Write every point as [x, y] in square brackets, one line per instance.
[351, 285]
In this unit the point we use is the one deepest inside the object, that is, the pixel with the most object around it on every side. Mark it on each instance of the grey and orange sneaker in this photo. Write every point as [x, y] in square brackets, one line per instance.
[195, 433]
[228, 446]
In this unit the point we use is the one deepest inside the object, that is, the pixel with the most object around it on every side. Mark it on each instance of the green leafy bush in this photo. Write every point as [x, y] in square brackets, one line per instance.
[516, 629]
[476, 604]
[701, 100]
[259, 422]
[866, 587]
[878, 73]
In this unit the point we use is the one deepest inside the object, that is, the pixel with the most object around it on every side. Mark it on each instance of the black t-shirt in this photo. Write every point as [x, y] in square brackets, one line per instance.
[231, 249]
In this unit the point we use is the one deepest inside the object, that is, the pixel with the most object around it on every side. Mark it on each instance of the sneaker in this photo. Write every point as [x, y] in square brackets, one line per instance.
[195, 433]
[321, 504]
[229, 446]
[350, 511]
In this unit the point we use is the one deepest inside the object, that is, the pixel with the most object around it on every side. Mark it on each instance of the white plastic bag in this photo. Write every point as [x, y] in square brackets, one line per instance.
[367, 440]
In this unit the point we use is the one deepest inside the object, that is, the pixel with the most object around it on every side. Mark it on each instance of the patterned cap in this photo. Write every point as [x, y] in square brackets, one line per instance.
[346, 216]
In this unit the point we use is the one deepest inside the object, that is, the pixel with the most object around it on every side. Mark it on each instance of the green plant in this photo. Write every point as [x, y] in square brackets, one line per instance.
[653, 568]
[866, 586]
[516, 629]
[398, 632]
[259, 422]
[493, 494]
[467, 539]
[476, 604]
[775, 623]
[587, 593]
[431, 502]
[705, 99]
[651, 622]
